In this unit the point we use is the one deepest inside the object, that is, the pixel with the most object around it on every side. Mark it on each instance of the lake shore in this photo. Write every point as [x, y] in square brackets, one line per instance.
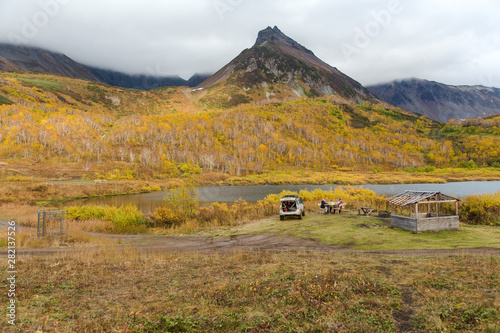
[70, 185]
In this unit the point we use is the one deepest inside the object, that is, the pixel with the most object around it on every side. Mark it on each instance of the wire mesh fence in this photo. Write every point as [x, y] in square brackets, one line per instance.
[52, 223]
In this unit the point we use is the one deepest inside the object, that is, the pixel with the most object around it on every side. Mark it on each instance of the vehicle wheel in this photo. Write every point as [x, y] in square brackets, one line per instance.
[303, 213]
[282, 217]
[300, 216]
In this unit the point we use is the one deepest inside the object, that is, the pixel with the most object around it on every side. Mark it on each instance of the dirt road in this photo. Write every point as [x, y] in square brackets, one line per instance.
[244, 243]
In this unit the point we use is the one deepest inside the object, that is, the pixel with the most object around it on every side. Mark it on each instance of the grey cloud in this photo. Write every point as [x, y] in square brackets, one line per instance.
[448, 41]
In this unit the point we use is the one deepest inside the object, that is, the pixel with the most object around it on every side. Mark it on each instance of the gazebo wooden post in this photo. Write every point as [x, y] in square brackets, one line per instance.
[416, 211]
[437, 206]
[456, 208]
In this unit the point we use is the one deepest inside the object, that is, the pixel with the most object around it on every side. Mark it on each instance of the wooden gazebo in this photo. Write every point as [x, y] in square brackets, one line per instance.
[427, 218]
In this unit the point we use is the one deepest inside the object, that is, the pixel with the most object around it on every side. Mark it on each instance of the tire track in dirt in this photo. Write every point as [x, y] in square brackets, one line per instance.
[243, 243]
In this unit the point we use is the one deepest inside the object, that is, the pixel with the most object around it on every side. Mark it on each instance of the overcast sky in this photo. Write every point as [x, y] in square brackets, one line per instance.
[373, 41]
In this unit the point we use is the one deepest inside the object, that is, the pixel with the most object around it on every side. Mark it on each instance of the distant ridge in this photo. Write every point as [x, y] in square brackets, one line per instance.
[140, 82]
[32, 59]
[439, 101]
[37, 60]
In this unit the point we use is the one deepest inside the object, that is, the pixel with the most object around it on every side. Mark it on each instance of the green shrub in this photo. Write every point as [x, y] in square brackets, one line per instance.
[183, 200]
[5, 100]
[124, 218]
[217, 213]
[43, 84]
[481, 209]
[86, 213]
[420, 169]
[189, 170]
[468, 165]
[166, 217]
[153, 188]
[464, 318]
[182, 204]
[430, 169]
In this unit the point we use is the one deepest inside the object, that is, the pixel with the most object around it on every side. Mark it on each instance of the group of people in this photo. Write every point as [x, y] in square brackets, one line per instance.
[324, 204]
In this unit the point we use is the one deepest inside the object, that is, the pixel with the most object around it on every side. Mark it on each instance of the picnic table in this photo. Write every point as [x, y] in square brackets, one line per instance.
[367, 210]
[334, 207]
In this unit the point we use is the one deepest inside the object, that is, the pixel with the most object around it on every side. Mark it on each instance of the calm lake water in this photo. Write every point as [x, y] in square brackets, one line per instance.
[148, 202]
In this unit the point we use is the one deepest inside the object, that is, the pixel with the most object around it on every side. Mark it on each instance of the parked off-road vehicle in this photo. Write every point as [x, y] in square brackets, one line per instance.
[291, 205]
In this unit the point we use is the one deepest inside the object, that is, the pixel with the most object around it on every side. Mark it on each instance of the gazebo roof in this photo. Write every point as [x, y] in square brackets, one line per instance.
[414, 197]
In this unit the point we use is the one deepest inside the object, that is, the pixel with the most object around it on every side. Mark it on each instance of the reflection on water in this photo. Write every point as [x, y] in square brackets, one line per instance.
[147, 202]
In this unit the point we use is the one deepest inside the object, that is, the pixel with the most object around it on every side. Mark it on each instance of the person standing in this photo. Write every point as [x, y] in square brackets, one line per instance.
[324, 206]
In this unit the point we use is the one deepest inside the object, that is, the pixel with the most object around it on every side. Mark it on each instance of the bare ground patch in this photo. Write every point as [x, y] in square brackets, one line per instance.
[246, 243]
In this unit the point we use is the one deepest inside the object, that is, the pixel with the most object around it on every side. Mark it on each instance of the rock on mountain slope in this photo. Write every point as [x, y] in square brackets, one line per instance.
[277, 67]
[32, 59]
[439, 101]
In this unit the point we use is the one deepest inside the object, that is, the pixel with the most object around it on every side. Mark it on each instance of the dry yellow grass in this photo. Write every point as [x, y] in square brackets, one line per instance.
[25, 215]
[111, 290]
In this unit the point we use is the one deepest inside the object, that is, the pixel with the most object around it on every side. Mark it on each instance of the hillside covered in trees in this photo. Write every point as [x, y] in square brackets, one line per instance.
[170, 132]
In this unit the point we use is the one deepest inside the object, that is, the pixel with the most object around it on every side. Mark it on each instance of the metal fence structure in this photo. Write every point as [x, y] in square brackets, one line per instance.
[52, 223]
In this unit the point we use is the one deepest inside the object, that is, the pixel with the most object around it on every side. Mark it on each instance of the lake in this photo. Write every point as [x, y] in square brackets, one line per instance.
[147, 202]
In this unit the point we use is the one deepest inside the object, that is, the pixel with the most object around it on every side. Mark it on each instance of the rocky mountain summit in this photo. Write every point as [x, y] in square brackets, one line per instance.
[277, 67]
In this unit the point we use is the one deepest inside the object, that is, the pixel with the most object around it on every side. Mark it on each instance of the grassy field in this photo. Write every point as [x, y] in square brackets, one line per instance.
[126, 291]
[116, 288]
[369, 233]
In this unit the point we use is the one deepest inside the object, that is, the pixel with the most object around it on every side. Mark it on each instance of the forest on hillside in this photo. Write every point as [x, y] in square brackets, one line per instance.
[165, 134]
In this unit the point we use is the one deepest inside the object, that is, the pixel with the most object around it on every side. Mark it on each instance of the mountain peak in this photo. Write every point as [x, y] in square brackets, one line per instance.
[271, 35]
[274, 37]
[280, 67]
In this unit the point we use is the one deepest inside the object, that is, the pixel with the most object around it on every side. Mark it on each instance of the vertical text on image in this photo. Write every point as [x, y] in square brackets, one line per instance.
[11, 272]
